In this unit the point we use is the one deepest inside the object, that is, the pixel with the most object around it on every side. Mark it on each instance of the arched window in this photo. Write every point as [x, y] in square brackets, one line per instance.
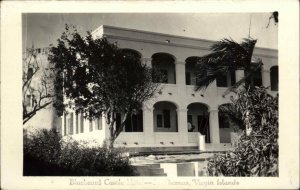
[198, 119]
[165, 117]
[190, 64]
[165, 64]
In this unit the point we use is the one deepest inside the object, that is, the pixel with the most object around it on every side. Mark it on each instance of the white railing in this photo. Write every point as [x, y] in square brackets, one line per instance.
[193, 137]
[131, 138]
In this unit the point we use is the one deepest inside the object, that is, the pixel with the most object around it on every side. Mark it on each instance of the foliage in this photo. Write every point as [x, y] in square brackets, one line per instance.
[37, 88]
[100, 78]
[227, 56]
[257, 151]
[46, 154]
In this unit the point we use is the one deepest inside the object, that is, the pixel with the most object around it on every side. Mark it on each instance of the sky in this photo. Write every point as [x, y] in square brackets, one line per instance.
[42, 29]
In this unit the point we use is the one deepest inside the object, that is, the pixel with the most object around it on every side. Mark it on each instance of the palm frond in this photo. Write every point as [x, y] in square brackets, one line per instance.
[227, 55]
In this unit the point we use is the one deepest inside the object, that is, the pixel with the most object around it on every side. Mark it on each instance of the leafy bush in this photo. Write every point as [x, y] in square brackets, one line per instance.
[46, 154]
[256, 153]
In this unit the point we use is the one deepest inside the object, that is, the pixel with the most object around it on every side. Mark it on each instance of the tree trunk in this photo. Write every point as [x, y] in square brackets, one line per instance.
[114, 132]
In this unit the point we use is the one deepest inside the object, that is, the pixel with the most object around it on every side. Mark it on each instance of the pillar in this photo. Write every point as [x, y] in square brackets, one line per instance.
[180, 73]
[214, 126]
[182, 125]
[266, 78]
[148, 125]
[147, 61]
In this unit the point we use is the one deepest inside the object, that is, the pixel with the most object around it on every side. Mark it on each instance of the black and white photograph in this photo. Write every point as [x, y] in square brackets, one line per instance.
[181, 100]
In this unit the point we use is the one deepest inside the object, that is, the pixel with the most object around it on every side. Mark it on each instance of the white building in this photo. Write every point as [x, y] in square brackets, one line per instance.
[163, 121]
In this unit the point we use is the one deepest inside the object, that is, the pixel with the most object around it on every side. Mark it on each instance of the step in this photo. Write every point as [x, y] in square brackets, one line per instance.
[156, 171]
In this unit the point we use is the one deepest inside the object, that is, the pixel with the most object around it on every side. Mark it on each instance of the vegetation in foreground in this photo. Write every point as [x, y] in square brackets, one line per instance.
[45, 154]
[256, 153]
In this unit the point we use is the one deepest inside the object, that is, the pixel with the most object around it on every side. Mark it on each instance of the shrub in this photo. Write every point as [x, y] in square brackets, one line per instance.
[256, 153]
[46, 154]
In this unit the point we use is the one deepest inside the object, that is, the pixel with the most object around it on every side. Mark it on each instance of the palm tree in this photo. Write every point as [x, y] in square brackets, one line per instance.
[227, 56]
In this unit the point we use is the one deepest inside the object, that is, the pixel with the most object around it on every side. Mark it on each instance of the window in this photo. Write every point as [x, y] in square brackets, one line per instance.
[166, 114]
[274, 78]
[159, 120]
[99, 123]
[190, 119]
[163, 120]
[118, 121]
[164, 74]
[77, 123]
[226, 80]
[134, 123]
[255, 79]
[222, 81]
[91, 125]
[188, 78]
[232, 75]
[223, 122]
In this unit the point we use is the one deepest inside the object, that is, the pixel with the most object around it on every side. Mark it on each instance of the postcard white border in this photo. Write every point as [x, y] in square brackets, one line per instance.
[11, 110]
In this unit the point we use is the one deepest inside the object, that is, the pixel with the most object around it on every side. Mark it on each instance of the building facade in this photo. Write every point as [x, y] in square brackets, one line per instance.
[178, 117]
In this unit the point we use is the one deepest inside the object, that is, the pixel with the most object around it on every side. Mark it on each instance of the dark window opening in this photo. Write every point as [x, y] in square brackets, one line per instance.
[118, 121]
[188, 78]
[233, 80]
[134, 123]
[91, 125]
[190, 119]
[222, 81]
[274, 78]
[159, 120]
[226, 80]
[223, 122]
[164, 74]
[255, 79]
[166, 114]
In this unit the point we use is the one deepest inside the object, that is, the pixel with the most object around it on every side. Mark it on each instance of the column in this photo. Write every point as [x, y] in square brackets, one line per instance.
[147, 61]
[266, 78]
[214, 126]
[182, 125]
[180, 73]
[148, 125]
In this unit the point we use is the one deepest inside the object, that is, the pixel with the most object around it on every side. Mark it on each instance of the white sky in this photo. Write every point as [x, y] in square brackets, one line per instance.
[43, 29]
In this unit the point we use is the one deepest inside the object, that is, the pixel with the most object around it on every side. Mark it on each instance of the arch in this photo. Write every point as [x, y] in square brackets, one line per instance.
[198, 119]
[192, 59]
[274, 78]
[190, 68]
[166, 56]
[165, 64]
[131, 51]
[165, 117]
